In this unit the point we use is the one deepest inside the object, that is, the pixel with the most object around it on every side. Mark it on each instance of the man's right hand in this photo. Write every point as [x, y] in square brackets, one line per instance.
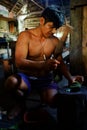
[51, 64]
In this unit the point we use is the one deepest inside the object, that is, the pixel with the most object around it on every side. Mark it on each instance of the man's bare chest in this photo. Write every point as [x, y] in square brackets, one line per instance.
[39, 49]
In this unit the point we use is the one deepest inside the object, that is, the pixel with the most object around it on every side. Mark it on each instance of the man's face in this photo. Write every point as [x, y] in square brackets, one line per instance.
[48, 29]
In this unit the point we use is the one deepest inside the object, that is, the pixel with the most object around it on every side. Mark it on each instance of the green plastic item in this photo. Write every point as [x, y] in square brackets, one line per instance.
[75, 85]
[15, 127]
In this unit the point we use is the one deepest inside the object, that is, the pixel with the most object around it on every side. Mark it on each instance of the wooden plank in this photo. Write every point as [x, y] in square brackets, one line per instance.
[74, 3]
[76, 66]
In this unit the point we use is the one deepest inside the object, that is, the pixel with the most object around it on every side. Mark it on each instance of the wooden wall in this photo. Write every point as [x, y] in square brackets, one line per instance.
[84, 38]
[78, 51]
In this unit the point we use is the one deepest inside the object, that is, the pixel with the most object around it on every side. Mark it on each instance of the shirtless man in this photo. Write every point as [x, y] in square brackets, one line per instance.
[36, 57]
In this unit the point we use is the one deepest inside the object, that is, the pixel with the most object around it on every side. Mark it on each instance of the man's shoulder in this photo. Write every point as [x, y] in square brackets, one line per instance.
[55, 39]
[25, 33]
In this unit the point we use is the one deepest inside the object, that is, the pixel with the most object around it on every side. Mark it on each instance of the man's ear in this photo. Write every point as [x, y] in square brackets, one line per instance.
[42, 21]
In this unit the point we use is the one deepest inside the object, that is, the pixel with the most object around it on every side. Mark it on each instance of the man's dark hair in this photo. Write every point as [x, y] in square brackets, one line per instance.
[52, 14]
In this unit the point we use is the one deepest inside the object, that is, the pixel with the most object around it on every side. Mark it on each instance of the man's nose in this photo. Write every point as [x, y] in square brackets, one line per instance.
[54, 30]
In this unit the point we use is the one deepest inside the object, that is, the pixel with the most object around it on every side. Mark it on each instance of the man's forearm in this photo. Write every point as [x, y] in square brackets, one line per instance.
[66, 73]
[29, 64]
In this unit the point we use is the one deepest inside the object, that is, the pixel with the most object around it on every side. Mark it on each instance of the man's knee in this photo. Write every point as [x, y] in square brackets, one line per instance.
[12, 82]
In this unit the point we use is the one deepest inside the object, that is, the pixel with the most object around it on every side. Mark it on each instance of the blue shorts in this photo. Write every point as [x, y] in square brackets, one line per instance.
[39, 83]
